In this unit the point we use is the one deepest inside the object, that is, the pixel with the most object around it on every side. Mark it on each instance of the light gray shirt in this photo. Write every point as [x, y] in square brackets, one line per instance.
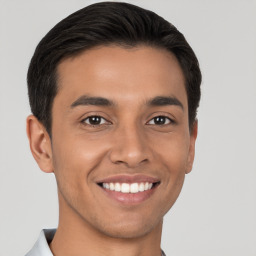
[41, 247]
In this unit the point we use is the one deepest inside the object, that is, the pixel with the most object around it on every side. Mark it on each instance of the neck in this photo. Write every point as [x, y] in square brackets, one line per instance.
[75, 236]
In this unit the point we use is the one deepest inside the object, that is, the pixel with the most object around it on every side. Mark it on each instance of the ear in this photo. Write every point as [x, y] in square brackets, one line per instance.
[40, 144]
[191, 154]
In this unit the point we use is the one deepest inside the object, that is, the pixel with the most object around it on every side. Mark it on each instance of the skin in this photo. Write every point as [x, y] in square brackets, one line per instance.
[127, 141]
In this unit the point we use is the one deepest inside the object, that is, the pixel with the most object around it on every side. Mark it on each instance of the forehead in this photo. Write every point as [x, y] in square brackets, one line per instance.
[122, 75]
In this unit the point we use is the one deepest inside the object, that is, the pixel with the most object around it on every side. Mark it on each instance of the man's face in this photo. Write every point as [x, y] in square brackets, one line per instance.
[120, 122]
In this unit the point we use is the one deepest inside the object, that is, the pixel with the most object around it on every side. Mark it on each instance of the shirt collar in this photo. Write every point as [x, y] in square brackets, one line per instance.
[41, 247]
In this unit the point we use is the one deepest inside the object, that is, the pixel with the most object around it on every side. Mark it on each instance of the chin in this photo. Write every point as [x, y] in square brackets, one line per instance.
[130, 230]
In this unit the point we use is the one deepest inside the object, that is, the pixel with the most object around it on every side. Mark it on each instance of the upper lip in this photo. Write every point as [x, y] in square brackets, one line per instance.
[129, 179]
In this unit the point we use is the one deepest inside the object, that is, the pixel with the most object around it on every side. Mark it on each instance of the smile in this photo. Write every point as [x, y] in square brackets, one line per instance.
[128, 188]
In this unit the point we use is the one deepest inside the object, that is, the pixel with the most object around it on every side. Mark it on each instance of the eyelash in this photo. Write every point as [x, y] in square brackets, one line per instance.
[106, 122]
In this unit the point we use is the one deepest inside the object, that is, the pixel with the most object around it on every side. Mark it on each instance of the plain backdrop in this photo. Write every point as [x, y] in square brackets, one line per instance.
[215, 214]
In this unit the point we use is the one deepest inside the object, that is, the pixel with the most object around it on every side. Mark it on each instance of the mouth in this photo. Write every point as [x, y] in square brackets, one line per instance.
[136, 187]
[129, 189]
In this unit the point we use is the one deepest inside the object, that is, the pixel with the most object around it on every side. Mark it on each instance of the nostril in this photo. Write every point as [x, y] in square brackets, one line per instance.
[129, 153]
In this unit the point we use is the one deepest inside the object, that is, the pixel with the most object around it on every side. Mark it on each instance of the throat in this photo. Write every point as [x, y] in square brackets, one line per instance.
[71, 241]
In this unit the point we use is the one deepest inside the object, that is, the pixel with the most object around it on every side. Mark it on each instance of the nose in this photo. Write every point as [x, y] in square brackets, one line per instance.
[130, 147]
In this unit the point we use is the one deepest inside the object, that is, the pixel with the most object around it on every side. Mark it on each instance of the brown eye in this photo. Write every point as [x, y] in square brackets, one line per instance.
[160, 120]
[94, 120]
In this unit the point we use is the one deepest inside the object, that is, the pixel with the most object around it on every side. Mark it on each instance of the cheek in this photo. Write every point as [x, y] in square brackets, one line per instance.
[74, 159]
[176, 163]
[172, 151]
[172, 154]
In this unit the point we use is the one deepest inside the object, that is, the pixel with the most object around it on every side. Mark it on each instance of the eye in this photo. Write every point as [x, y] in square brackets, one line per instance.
[160, 120]
[95, 120]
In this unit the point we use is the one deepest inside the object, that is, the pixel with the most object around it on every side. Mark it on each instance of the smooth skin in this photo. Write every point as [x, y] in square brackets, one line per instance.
[93, 141]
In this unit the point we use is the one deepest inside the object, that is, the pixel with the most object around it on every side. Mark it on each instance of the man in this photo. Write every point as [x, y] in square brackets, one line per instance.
[114, 91]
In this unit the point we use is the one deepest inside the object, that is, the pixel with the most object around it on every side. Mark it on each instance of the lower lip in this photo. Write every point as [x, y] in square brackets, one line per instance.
[130, 198]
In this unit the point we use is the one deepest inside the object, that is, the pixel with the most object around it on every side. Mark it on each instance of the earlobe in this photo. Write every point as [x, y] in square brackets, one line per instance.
[40, 144]
[191, 155]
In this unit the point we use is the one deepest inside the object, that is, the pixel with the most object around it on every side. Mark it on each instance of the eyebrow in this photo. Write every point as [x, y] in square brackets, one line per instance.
[165, 101]
[96, 101]
[100, 101]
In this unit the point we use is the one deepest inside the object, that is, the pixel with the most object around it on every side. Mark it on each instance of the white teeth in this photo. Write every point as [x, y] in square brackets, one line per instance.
[125, 188]
[141, 187]
[117, 187]
[112, 186]
[128, 188]
[134, 188]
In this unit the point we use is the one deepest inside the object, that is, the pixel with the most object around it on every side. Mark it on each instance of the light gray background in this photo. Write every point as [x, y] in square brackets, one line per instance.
[216, 212]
